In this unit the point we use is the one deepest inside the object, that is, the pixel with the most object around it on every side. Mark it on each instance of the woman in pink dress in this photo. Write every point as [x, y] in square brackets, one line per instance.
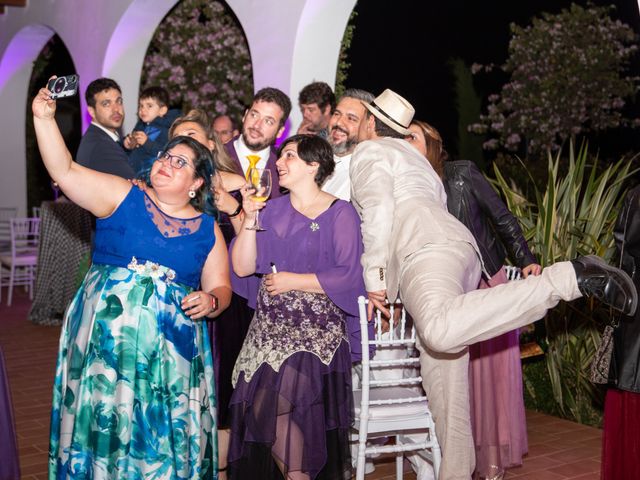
[495, 374]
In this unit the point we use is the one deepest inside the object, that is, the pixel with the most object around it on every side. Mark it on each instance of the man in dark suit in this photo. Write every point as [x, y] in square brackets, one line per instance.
[262, 124]
[101, 148]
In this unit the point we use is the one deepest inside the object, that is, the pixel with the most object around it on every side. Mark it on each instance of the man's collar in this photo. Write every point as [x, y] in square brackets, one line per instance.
[114, 136]
[346, 155]
[344, 158]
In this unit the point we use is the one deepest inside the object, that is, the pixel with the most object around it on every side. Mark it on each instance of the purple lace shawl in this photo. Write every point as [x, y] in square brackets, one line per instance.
[329, 246]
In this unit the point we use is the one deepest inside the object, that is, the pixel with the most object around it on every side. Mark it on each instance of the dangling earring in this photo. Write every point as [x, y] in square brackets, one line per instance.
[192, 194]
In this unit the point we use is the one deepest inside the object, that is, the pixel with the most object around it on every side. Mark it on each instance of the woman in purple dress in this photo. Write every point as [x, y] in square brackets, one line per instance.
[292, 406]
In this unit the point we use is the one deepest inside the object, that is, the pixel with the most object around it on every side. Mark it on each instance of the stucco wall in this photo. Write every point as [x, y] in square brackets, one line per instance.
[110, 38]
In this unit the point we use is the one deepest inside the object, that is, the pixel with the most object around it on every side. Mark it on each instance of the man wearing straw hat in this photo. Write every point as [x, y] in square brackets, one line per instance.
[415, 250]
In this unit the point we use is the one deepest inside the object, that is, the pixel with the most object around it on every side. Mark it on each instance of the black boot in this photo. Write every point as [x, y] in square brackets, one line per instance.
[608, 284]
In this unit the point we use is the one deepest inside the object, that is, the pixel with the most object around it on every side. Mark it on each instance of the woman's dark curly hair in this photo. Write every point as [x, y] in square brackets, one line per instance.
[313, 149]
[203, 162]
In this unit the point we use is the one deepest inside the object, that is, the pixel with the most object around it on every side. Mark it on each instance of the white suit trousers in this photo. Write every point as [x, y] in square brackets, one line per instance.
[438, 287]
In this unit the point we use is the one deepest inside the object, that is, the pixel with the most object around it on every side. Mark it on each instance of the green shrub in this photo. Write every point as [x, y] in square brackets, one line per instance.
[573, 216]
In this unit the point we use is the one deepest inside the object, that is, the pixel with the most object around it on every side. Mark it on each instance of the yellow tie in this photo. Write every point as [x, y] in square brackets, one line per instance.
[253, 161]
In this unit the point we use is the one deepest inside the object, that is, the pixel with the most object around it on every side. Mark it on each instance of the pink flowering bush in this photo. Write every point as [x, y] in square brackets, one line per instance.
[567, 77]
[200, 55]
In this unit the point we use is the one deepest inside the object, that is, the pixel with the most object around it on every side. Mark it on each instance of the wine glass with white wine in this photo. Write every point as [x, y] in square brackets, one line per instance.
[260, 180]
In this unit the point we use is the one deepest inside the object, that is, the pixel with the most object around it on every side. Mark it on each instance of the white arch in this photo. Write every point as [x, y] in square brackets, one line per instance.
[15, 73]
[107, 38]
[22, 51]
[320, 20]
[306, 45]
[124, 57]
[85, 28]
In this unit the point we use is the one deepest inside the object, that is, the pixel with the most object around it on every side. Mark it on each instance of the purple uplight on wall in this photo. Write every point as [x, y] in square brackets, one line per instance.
[285, 134]
[22, 51]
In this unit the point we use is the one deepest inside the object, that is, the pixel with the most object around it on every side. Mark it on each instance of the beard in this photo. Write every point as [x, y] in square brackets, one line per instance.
[345, 147]
[257, 145]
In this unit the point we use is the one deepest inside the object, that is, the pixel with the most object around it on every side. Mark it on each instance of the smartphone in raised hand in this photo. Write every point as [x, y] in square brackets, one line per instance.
[61, 87]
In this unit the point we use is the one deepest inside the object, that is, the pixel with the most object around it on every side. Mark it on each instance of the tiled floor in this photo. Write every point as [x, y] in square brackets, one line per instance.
[558, 449]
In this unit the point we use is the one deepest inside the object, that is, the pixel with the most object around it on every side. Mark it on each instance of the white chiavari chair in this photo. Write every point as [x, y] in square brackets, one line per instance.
[392, 407]
[22, 259]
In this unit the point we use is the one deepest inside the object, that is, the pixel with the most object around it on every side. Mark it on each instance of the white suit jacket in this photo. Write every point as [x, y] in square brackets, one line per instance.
[403, 206]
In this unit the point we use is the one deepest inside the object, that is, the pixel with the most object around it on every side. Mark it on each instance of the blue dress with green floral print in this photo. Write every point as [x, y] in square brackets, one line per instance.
[134, 390]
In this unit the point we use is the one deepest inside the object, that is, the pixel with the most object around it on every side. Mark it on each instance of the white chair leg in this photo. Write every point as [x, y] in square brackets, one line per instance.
[31, 277]
[437, 458]
[360, 466]
[10, 295]
[399, 461]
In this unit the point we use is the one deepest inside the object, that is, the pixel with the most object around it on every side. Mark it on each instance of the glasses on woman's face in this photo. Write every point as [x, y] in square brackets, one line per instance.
[175, 161]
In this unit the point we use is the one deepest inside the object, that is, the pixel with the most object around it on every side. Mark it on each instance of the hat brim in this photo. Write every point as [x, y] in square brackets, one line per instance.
[386, 120]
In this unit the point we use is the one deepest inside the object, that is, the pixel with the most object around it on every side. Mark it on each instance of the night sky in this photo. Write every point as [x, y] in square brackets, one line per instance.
[406, 45]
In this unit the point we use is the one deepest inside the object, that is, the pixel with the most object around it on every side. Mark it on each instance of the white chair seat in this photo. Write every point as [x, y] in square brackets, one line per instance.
[389, 419]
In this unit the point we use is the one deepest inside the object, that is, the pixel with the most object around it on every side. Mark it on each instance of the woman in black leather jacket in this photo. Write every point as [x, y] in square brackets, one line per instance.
[495, 373]
[621, 433]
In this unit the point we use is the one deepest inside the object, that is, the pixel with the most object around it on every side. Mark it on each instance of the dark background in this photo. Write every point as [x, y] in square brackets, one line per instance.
[406, 46]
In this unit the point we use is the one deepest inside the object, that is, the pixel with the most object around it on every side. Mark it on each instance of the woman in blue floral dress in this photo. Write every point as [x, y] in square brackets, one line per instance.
[134, 393]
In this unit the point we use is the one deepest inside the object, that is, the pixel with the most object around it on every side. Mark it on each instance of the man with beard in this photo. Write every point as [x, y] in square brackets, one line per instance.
[414, 249]
[262, 124]
[343, 137]
[101, 147]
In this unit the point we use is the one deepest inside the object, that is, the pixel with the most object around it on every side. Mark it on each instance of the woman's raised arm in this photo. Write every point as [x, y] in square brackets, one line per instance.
[100, 193]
